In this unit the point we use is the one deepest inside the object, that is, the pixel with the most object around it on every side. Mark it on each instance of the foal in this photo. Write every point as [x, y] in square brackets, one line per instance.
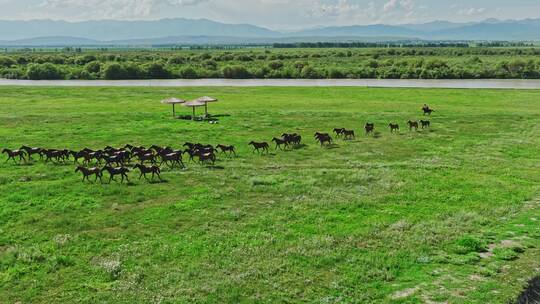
[122, 171]
[257, 146]
[90, 171]
[144, 170]
[14, 153]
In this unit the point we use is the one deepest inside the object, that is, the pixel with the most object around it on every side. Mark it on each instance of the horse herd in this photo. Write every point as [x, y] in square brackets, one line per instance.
[120, 161]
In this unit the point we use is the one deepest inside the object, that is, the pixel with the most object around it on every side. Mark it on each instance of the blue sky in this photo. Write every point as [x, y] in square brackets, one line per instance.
[275, 14]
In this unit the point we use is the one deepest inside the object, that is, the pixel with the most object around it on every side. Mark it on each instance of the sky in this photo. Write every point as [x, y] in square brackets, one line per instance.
[274, 14]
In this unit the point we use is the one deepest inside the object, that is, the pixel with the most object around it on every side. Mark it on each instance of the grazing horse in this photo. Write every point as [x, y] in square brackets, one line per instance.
[427, 110]
[413, 125]
[145, 170]
[30, 151]
[348, 134]
[425, 124]
[323, 138]
[370, 128]
[122, 171]
[172, 159]
[393, 127]
[90, 171]
[280, 142]
[339, 131]
[257, 146]
[225, 149]
[14, 153]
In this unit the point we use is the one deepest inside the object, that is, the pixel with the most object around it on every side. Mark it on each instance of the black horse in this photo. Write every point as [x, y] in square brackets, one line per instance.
[14, 153]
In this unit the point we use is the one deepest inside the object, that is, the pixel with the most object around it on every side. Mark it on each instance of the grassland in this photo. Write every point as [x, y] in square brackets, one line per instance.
[448, 215]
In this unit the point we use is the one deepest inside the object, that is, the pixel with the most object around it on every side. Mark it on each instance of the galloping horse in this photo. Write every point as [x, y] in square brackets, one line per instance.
[257, 146]
[425, 124]
[370, 128]
[413, 125]
[293, 138]
[393, 127]
[339, 131]
[30, 151]
[207, 157]
[122, 171]
[280, 142]
[172, 159]
[323, 138]
[14, 153]
[90, 171]
[225, 149]
[348, 134]
[145, 170]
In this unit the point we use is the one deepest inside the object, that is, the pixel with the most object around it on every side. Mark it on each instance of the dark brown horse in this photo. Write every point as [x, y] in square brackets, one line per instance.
[258, 146]
[413, 125]
[370, 128]
[292, 139]
[30, 151]
[147, 170]
[279, 143]
[122, 171]
[323, 138]
[14, 153]
[172, 159]
[425, 124]
[226, 149]
[339, 131]
[86, 172]
[393, 127]
[348, 134]
[206, 157]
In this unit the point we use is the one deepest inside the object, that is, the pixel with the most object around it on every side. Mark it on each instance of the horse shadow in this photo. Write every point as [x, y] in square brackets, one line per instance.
[215, 167]
[332, 146]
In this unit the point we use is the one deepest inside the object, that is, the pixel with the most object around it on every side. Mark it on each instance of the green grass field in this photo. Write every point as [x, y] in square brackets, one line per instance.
[447, 215]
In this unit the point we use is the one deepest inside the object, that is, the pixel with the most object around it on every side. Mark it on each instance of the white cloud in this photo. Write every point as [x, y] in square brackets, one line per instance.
[472, 11]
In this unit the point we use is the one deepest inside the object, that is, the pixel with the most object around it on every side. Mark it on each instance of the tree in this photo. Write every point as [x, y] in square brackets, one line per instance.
[157, 70]
[114, 71]
[236, 72]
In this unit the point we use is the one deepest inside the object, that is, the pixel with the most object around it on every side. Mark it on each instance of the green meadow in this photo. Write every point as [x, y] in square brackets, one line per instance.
[448, 214]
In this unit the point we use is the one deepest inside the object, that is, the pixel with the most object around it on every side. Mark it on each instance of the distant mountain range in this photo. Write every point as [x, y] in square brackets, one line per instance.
[202, 31]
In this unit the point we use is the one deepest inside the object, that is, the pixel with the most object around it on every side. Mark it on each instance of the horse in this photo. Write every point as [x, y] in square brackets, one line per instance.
[109, 160]
[427, 110]
[205, 157]
[14, 153]
[348, 134]
[30, 151]
[145, 170]
[90, 171]
[280, 142]
[425, 124]
[323, 138]
[393, 127]
[257, 146]
[122, 171]
[52, 154]
[191, 152]
[413, 125]
[339, 131]
[225, 149]
[143, 157]
[172, 158]
[293, 138]
[370, 128]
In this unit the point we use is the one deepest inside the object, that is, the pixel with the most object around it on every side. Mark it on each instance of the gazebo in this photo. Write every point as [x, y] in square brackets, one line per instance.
[205, 100]
[173, 101]
[194, 104]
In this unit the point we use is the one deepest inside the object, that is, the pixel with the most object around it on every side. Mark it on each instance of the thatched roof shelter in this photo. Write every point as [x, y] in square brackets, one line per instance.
[173, 101]
[206, 100]
[194, 104]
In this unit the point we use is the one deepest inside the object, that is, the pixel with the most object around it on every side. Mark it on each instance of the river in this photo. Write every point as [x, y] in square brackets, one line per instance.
[382, 83]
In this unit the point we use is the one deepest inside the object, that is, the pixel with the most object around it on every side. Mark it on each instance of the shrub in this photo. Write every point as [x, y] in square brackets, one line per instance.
[236, 72]
[188, 73]
[44, 71]
[157, 70]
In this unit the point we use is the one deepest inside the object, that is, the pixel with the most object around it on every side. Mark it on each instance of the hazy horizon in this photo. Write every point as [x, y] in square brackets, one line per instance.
[272, 14]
